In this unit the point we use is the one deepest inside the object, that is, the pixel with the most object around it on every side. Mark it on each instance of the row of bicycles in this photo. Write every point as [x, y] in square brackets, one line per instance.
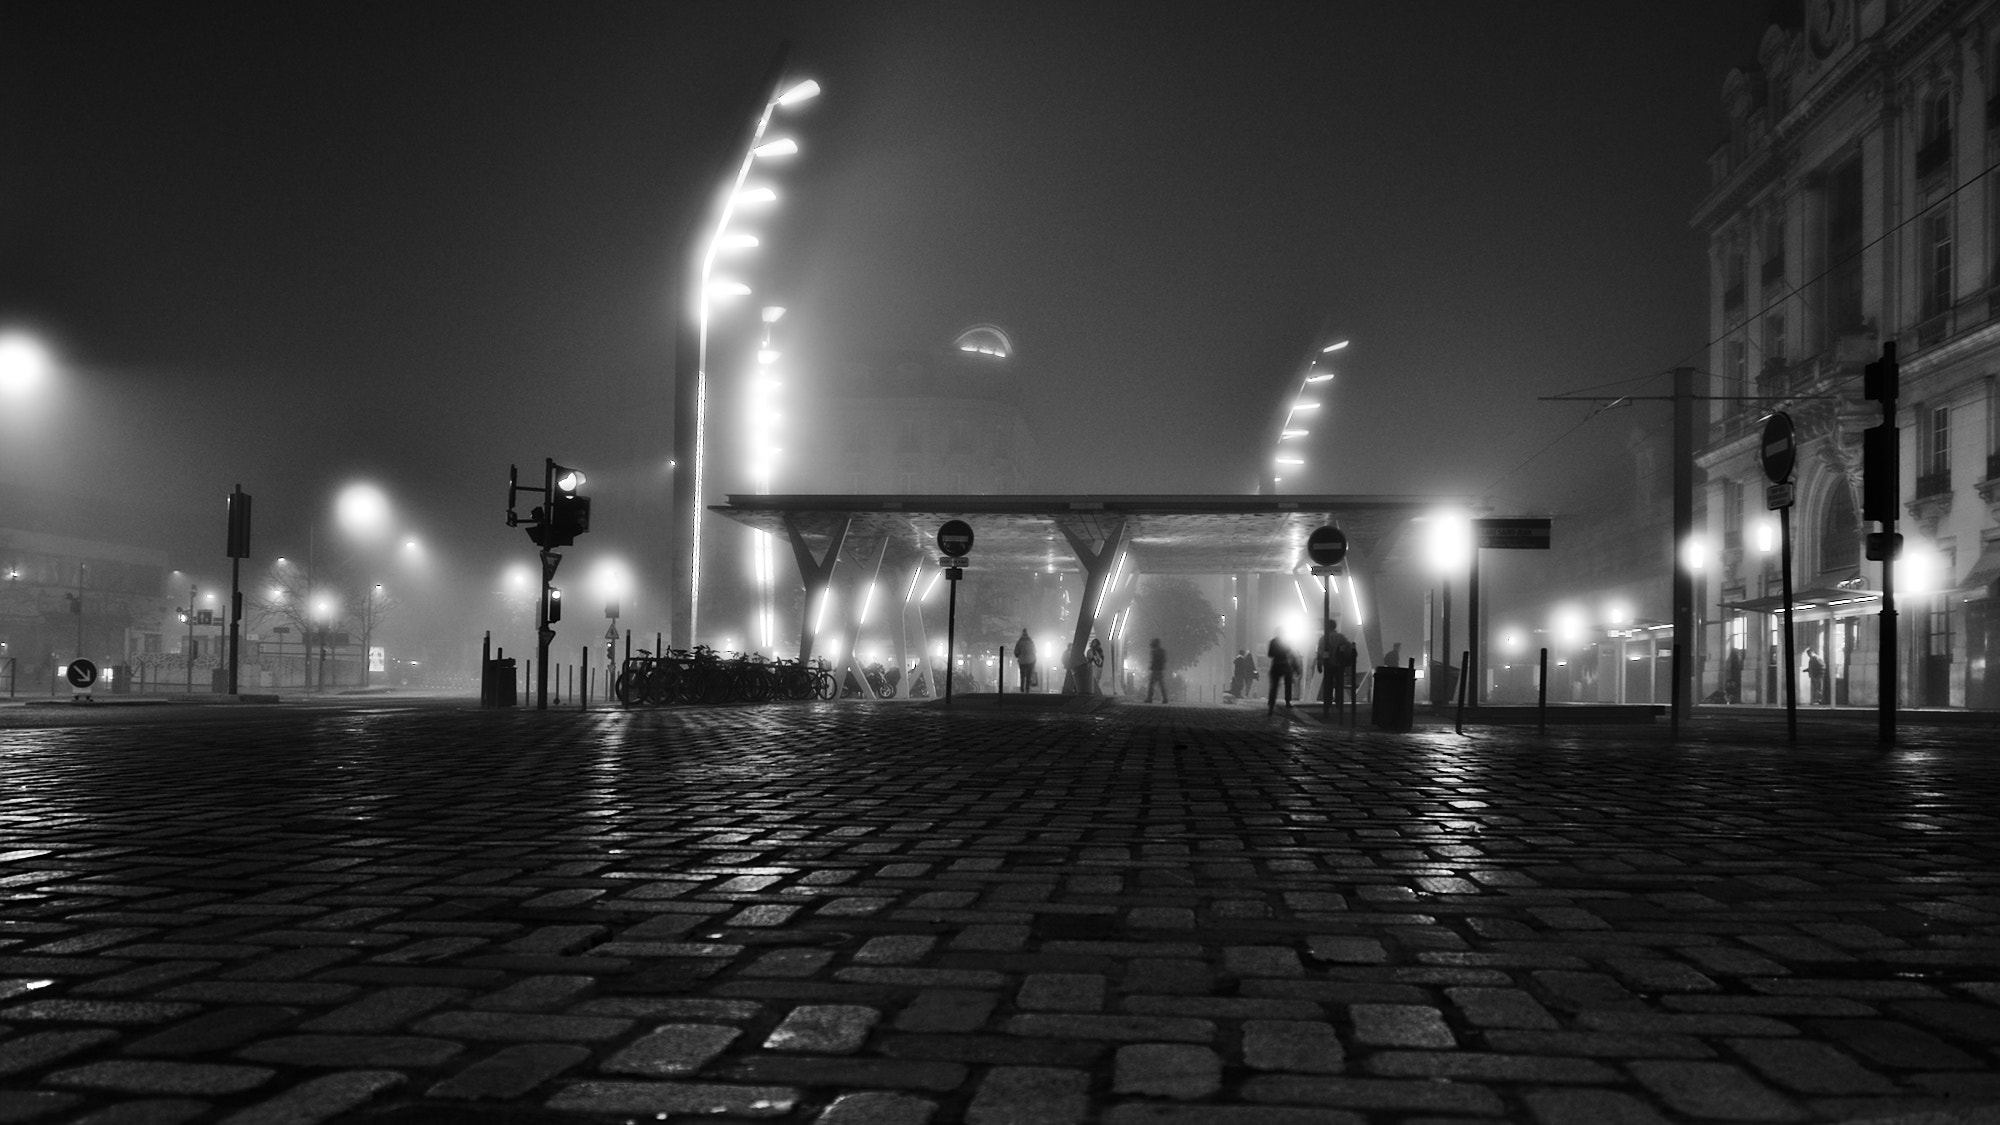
[702, 675]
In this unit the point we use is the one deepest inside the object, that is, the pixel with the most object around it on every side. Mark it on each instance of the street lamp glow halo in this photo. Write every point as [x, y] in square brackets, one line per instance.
[25, 360]
[1334, 347]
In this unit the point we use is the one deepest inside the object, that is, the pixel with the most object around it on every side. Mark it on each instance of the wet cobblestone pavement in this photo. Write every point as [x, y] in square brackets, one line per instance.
[843, 914]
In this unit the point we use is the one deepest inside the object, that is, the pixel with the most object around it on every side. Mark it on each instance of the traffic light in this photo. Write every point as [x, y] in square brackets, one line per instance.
[555, 605]
[1881, 485]
[570, 518]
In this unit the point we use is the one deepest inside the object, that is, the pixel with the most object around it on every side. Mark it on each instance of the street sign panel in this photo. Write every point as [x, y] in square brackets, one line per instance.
[1778, 450]
[1511, 534]
[955, 538]
[81, 673]
[955, 560]
[1326, 546]
[1778, 496]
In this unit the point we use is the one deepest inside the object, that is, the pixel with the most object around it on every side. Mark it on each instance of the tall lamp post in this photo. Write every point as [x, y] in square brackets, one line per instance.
[705, 242]
[188, 653]
[1286, 454]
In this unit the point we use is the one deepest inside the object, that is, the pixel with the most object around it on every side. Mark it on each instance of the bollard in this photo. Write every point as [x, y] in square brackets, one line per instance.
[1464, 659]
[1542, 703]
[583, 701]
[1000, 677]
[486, 670]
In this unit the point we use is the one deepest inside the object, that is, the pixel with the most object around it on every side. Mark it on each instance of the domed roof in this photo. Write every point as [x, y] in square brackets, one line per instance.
[984, 339]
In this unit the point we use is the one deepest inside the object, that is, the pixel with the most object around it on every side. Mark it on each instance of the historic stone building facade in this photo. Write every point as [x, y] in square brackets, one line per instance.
[1854, 204]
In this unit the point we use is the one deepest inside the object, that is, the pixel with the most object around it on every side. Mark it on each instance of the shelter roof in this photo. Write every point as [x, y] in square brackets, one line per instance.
[1188, 534]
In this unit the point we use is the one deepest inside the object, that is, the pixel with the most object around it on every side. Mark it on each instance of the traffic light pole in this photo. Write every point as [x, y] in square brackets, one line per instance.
[550, 560]
[1881, 494]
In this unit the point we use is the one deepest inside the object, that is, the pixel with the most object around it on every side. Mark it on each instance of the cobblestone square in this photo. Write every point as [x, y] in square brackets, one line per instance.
[839, 913]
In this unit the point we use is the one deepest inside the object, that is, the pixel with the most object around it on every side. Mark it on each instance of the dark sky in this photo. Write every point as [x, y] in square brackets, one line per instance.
[292, 245]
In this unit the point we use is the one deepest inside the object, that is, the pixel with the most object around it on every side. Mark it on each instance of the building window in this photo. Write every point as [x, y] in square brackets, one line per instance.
[1937, 262]
[1774, 338]
[1732, 513]
[1843, 310]
[1773, 272]
[1732, 286]
[1839, 532]
[1934, 477]
[1934, 147]
[1737, 356]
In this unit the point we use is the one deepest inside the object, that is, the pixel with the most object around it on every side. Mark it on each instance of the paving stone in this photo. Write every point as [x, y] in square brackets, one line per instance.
[1061, 992]
[1167, 1070]
[894, 949]
[794, 963]
[1896, 1044]
[1023, 1095]
[318, 1099]
[1590, 1107]
[1131, 1028]
[1262, 961]
[835, 1029]
[142, 978]
[135, 1076]
[672, 1050]
[1400, 1025]
[1811, 1068]
[1414, 1096]
[119, 1013]
[1155, 1113]
[536, 994]
[510, 1073]
[148, 1111]
[1500, 1007]
[1483, 1067]
[877, 1108]
[946, 1010]
[931, 1075]
[24, 1053]
[1160, 918]
[1301, 1046]
[666, 1098]
[381, 1011]
[259, 992]
[212, 1031]
[33, 1105]
[1347, 950]
[352, 1050]
[1713, 1089]
[513, 1027]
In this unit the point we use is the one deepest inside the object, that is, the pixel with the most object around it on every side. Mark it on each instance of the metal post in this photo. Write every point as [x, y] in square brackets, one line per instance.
[1328, 665]
[1674, 665]
[1791, 660]
[950, 632]
[1464, 667]
[187, 657]
[1472, 634]
[583, 662]
[81, 569]
[1000, 677]
[1542, 702]
[1683, 570]
[486, 669]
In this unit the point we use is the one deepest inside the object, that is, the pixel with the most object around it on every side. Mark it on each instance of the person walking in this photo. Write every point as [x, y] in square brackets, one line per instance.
[1335, 664]
[1024, 659]
[1095, 660]
[1280, 655]
[1156, 672]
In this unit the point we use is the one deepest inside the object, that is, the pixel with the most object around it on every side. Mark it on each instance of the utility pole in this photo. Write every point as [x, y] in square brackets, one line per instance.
[1685, 642]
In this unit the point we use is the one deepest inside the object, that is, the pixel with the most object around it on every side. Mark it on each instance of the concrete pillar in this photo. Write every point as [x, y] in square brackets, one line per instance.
[816, 574]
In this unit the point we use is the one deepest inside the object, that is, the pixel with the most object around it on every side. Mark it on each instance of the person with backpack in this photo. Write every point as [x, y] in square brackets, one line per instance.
[1335, 663]
[1156, 672]
[1282, 665]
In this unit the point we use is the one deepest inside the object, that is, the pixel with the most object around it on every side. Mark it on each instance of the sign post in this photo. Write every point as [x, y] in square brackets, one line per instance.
[1504, 535]
[955, 540]
[1326, 547]
[81, 674]
[1780, 453]
[239, 549]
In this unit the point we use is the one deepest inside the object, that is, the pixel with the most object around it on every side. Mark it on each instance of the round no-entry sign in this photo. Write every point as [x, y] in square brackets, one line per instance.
[1326, 546]
[1778, 449]
[955, 538]
[81, 673]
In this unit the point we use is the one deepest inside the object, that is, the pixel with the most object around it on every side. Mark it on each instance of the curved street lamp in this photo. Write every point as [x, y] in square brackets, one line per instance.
[708, 241]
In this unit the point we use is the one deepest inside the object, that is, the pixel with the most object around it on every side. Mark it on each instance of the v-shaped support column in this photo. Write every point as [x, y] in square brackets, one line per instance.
[817, 574]
[851, 659]
[1097, 563]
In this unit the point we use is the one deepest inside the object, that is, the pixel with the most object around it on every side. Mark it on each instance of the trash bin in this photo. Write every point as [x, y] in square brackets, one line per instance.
[218, 681]
[499, 689]
[1395, 698]
[121, 679]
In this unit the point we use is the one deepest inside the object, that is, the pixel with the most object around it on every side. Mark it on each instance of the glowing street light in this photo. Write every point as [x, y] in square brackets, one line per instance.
[25, 362]
[691, 360]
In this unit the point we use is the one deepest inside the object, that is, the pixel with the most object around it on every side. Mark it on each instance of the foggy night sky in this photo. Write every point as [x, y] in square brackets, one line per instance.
[293, 245]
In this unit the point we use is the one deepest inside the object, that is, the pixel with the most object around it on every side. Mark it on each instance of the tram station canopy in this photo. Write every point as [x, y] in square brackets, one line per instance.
[1186, 534]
